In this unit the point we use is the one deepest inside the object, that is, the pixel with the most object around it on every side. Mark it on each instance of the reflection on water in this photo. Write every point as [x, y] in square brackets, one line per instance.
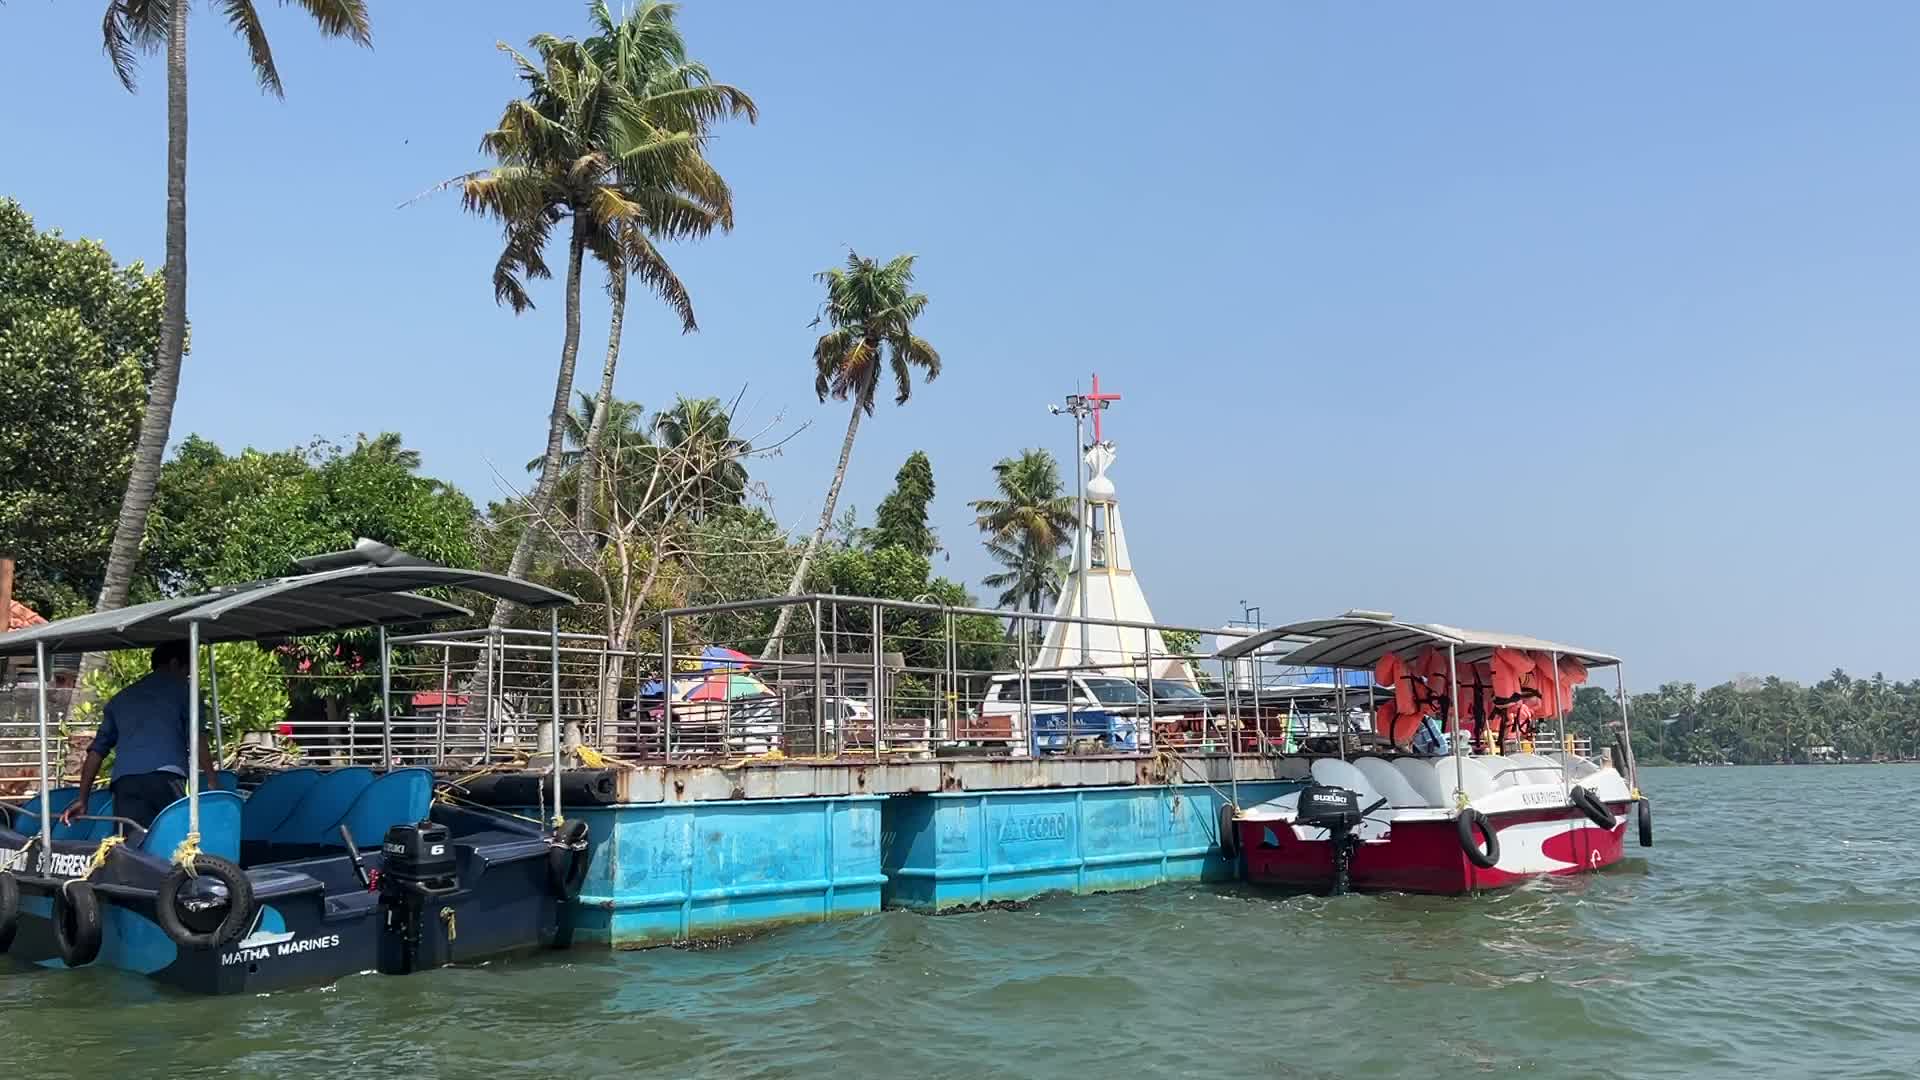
[1774, 932]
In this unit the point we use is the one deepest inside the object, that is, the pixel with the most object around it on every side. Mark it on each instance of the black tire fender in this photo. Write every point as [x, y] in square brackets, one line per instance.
[9, 909]
[1229, 836]
[568, 858]
[1484, 858]
[76, 923]
[240, 904]
[1589, 804]
[1645, 816]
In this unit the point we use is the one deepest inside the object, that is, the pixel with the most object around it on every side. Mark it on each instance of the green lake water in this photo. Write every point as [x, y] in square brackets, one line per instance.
[1775, 931]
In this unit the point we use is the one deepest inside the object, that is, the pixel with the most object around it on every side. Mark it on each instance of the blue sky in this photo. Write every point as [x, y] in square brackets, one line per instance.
[1592, 323]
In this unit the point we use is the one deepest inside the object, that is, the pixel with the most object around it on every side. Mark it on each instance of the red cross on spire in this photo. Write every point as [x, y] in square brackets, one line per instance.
[1100, 401]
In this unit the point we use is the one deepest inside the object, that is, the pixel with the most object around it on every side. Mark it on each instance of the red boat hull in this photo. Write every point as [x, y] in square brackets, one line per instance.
[1425, 856]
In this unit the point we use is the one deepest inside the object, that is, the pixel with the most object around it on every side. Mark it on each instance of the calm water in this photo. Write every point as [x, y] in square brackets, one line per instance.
[1774, 932]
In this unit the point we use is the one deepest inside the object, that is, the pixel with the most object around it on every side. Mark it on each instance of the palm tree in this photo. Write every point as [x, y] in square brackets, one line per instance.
[683, 196]
[619, 163]
[622, 422]
[700, 432]
[1033, 575]
[148, 25]
[871, 308]
[1030, 513]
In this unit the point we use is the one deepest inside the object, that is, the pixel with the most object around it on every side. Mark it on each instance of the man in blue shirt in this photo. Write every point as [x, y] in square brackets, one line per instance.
[147, 724]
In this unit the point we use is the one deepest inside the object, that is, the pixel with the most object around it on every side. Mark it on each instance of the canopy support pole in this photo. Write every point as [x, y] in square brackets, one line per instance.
[1340, 710]
[41, 674]
[193, 728]
[213, 687]
[1233, 735]
[1626, 728]
[386, 702]
[1453, 716]
[666, 683]
[820, 687]
[1560, 722]
[559, 736]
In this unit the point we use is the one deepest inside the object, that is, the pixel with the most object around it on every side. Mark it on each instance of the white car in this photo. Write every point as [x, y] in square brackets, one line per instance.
[1061, 712]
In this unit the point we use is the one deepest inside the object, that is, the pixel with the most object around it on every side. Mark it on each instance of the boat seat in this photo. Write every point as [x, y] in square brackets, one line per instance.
[315, 820]
[270, 803]
[226, 780]
[100, 802]
[400, 797]
[220, 813]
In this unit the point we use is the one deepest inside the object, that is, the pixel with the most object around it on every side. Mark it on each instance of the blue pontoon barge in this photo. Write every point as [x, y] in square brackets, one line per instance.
[311, 874]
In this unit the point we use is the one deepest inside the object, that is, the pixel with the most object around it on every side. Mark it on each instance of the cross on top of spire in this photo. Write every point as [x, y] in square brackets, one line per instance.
[1098, 401]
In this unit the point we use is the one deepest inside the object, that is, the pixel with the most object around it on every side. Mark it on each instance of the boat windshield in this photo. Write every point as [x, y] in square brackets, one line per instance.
[1113, 691]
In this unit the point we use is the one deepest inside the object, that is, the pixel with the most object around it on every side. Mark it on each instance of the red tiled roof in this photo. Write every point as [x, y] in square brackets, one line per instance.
[22, 616]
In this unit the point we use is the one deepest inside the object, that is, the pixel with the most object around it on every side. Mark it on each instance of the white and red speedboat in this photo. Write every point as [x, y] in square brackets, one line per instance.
[1374, 814]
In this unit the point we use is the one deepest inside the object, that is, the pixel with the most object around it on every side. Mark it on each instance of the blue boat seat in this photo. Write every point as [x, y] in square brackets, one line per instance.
[316, 819]
[219, 826]
[270, 804]
[400, 797]
[98, 803]
[226, 780]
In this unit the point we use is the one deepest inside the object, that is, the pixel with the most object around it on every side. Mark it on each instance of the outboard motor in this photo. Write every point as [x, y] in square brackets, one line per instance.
[418, 865]
[1337, 810]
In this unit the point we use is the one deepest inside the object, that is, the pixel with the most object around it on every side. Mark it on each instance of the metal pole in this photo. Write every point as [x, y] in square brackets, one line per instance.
[950, 704]
[1082, 544]
[493, 694]
[41, 674]
[193, 730]
[666, 684]
[446, 689]
[1339, 710]
[877, 692]
[1453, 714]
[1026, 694]
[213, 687]
[386, 702]
[559, 736]
[1233, 742]
[819, 686]
[1559, 719]
[1146, 637]
[1626, 729]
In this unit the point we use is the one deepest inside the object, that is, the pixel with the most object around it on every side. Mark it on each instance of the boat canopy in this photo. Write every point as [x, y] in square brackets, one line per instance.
[342, 597]
[1359, 640]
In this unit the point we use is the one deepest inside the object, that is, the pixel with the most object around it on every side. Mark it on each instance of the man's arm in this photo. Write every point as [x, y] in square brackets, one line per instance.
[103, 743]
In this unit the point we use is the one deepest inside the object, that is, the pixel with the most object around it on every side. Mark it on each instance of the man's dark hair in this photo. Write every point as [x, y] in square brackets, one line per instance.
[168, 653]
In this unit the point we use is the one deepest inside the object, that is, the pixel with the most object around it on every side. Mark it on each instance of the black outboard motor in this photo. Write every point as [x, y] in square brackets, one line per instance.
[1337, 810]
[418, 865]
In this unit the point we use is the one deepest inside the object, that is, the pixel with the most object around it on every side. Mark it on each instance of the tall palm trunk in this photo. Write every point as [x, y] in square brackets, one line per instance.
[157, 421]
[819, 531]
[596, 428]
[542, 501]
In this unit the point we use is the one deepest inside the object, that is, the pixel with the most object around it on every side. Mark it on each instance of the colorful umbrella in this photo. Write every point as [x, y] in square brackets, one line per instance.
[718, 657]
[719, 687]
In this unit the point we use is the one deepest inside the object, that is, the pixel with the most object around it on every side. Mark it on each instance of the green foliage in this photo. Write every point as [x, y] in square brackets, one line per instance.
[871, 308]
[221, 519]
[1181, 642]
[77, 335]
[1027, 526]
[1756, 721]
[901, 520]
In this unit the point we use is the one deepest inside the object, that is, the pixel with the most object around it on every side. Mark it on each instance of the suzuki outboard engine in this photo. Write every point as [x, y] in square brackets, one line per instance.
[418, 865]
[1337, 810]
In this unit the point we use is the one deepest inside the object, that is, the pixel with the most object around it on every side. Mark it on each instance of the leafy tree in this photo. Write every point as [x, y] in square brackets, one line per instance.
[147, 25]
[901, 519]
[76, 335]
[871, 308]
[1031, 578]
[709, 458]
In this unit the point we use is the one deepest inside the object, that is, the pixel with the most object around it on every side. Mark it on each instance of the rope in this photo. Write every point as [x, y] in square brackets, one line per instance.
[100, 854]
[188, 851]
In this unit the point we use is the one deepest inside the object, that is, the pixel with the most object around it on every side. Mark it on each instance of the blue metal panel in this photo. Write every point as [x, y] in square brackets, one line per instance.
[663, 873]
[958, 849]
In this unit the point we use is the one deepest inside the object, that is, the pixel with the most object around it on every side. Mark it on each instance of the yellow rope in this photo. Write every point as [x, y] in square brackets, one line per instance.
[100, 854]
[591, 758]
[188, 851]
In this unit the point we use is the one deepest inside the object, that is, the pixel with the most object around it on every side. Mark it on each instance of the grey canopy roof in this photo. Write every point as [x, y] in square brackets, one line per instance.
[346, 598]
[1357, 641]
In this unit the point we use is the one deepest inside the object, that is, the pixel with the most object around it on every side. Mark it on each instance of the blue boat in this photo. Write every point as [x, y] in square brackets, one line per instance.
[296, 876]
